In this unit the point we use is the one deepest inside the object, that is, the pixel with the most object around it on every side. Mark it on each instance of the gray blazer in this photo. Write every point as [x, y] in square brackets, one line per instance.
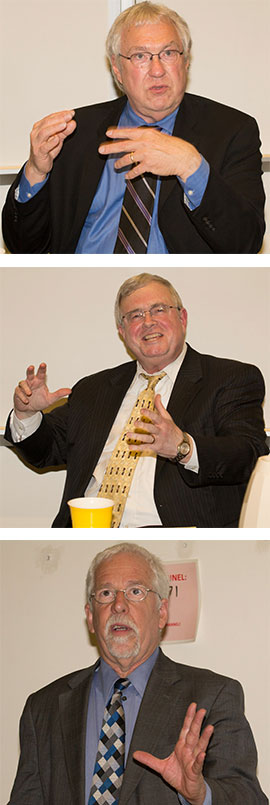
[53, 726]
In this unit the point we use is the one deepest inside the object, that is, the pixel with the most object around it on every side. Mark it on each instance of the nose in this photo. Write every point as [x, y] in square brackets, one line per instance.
[148, 317]
[120, 603]
[156, 66]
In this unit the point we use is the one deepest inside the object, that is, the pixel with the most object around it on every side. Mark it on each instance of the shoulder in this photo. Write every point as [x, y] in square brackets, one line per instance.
[116, 374]
[225, 367]
[200, 680]
[215, 108]
[98, 111]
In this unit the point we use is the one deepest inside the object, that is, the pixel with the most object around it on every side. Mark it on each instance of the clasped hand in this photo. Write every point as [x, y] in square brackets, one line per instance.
[156, 428]
[152, 151]
[182, 769]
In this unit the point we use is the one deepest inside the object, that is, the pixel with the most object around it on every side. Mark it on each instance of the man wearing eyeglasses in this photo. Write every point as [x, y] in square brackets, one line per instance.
[136, 727]
[185, 463]
[178, 173]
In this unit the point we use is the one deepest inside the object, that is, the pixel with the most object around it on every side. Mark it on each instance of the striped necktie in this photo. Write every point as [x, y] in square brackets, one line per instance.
[136, 215]
[110, 760]
[122, 464]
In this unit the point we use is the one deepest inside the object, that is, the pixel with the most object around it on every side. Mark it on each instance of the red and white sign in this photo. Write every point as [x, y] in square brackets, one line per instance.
[183, 601]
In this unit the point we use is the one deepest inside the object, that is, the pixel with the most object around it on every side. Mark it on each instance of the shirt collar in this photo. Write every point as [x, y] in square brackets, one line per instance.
[171, 370]
[139, 677]
[130, 118]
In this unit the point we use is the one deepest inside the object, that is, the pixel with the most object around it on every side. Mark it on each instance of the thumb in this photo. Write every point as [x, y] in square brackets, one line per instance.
[160, 407]
[57, 395]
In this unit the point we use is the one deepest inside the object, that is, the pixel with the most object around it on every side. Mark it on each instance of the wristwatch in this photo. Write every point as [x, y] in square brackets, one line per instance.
[183, 449]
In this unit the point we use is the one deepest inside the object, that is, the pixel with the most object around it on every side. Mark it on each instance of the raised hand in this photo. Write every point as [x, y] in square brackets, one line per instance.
[32, 394]
[46, 138]
[151, 150]
[183, 768]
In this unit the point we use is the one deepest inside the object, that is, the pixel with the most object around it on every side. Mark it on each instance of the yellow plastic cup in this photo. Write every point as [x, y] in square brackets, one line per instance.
[91, 512]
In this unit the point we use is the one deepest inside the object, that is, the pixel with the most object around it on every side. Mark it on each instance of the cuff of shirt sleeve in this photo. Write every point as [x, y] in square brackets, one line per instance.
[207, 800]
[25, 190]
[193, 462]
[22, 428]
[195, 185]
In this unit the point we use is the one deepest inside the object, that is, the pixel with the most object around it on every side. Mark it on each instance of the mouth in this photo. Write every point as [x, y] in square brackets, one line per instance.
[120, 628]
[152, 336]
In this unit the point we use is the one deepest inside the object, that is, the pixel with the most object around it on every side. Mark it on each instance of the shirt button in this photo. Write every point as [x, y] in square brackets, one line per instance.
[190, 192]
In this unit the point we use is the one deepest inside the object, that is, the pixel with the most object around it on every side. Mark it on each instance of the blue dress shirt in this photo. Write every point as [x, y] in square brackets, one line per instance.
[100, 693]
[98, 234]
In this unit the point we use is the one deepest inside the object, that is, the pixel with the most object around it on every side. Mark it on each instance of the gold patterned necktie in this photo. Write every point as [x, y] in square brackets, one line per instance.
[123, 461]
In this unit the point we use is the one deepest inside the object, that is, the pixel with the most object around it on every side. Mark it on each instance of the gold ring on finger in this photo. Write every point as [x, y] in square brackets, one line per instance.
[132, 156]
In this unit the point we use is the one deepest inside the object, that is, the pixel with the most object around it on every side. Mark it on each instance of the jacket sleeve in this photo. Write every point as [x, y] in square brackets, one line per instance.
[228, 452]
[27, 788]
[26, 227]
[231, 759]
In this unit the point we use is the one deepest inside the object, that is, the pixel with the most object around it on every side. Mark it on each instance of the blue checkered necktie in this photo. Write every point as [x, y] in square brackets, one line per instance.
[109, 767]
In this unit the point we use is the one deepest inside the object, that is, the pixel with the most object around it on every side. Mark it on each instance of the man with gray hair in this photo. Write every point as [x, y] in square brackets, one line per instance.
[171, 436]
[135, 728]
[178, 173]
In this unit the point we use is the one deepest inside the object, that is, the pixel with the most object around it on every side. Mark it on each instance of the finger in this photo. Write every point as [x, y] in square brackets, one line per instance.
[41, 372]
[140, 438]
[188, 719]
[124, 146]
[55, 117]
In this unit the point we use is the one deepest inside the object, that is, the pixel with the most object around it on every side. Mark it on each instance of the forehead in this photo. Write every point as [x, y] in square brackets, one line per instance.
[150, 34]
[149, 294]
[122, 568]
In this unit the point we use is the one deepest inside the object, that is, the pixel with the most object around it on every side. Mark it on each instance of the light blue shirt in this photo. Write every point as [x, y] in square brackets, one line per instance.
[98, 234]
[100, 693]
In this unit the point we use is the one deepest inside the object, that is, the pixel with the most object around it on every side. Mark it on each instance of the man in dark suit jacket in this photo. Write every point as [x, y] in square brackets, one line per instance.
[169, 757]
[211, 197]
[211, 405]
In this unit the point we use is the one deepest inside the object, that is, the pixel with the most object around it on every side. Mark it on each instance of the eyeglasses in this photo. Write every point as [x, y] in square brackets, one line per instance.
[157, 311]
[133, 593]
[142, 58]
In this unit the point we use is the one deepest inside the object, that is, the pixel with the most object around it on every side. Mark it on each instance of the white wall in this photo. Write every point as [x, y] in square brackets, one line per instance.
[52, 57]
[64, 316]
[45, 636]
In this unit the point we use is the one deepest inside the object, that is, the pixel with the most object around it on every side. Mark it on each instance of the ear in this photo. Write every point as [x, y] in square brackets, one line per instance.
[183, 316]
[163, 613]
[89, 618]
[120, 330]
[116, 70]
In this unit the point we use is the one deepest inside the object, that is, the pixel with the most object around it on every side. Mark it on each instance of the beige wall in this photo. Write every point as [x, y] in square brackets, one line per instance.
[44, 633]
[65, 317]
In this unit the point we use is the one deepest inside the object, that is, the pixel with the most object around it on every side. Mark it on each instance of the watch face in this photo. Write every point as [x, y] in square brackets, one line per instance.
[184, 448]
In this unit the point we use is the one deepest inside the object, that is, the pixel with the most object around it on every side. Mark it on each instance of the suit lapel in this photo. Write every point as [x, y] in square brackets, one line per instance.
[73, 714]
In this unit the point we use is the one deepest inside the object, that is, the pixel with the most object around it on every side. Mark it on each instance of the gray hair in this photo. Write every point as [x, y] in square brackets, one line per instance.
[140, 281]
[160, 580]
[139, 15]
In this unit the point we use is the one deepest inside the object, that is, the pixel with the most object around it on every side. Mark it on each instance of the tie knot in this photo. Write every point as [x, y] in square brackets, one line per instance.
[120, 684]
[153, 379]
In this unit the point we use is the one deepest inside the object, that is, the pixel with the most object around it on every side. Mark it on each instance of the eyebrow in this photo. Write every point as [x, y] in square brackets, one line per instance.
[141, 48]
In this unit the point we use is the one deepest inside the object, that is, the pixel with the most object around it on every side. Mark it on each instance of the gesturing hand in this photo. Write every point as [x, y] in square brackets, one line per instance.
[161, 431]
[32, 394]
[151, 151]
[46, 138]
[183, 768]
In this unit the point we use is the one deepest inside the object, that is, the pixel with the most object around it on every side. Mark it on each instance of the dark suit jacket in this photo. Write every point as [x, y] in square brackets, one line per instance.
[229, 218]
[53, 727]
[216, 400]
